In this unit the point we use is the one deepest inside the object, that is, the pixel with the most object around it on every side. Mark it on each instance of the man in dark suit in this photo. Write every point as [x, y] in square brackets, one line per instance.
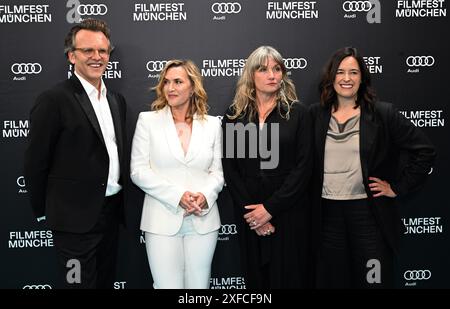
[75, 164]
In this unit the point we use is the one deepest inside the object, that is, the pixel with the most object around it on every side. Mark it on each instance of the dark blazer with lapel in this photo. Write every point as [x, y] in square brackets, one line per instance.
[66, 163]
[282, 190]
[385, 137]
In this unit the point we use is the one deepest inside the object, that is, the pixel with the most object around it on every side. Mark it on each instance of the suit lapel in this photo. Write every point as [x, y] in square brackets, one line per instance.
[323, 123]
[367, 137]
[171, 135]
[115, 113]
[83, 99]
[196, 139]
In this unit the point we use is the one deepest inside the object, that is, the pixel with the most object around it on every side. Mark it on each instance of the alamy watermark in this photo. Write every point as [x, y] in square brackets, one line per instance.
[374, 274]
[258, 143]
[374, 14]
[74, 273]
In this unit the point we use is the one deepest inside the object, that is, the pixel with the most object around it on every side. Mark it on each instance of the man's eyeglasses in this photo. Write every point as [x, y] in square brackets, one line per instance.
[89, 52]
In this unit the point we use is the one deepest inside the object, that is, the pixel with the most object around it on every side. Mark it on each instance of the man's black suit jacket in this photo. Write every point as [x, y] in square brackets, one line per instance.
[66, 163]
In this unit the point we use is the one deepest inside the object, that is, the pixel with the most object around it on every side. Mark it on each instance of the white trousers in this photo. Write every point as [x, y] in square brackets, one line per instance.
[182, 261]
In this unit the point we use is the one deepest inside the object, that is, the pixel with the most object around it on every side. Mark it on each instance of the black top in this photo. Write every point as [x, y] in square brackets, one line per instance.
[282, 190]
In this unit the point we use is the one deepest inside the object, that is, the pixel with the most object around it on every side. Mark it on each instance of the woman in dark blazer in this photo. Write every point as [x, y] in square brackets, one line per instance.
[366, 155]
[267, 166]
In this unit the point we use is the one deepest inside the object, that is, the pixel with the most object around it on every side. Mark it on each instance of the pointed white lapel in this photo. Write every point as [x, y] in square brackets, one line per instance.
[171, 136]
[196, 139]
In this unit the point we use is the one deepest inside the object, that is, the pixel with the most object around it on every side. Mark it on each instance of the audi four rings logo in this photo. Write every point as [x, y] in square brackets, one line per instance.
[156, 66]
[295, 63]
[417, 275]
[357, 6]
[26, 68]
[420, 61]
[37, 286]
[224, 8]
[228, 229]
[92, 9]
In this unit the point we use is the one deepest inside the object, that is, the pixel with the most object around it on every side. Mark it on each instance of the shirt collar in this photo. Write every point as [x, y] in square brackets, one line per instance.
[89, 88]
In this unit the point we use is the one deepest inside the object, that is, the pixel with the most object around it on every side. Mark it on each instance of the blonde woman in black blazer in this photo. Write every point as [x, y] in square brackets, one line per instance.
[356, 221]
[270, 202]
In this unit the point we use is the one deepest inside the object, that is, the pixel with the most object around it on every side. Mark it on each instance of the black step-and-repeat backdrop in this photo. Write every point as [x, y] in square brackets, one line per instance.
[406, 47]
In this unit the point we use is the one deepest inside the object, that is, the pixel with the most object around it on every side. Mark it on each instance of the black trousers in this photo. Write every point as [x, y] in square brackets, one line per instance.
[91, 257]
[352, 250]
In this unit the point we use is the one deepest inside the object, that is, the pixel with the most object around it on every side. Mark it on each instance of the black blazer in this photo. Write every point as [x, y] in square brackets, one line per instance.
[279, 188]
[391, 148]
[66, 163]
[282, 190]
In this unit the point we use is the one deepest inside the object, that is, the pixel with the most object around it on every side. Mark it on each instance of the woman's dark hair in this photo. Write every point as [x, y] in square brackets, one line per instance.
[366, 94]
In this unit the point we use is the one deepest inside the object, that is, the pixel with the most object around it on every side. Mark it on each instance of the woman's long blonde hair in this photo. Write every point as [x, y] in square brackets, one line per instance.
[244, 102]
[199, 98]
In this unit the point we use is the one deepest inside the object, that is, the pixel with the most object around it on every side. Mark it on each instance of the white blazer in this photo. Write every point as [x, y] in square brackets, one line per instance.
[160, 168]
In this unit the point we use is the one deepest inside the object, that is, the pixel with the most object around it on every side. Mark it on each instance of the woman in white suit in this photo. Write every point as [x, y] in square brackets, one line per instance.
[176, 161]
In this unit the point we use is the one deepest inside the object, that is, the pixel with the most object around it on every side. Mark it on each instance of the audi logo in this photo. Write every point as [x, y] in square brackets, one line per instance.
[26, 68]
[156, 66]
[228, 229]
[92, 9]
[420, 61]
[37, 287]
[356, 6]
[417, 275]
[295, 63]
[224, 8]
